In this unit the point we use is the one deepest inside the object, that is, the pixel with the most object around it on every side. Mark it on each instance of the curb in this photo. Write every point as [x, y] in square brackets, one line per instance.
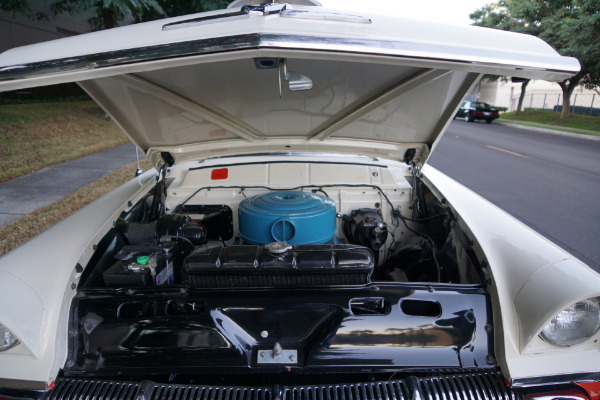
[551, 131]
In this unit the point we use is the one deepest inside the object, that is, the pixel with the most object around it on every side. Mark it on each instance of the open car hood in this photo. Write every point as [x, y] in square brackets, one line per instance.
[280, 78]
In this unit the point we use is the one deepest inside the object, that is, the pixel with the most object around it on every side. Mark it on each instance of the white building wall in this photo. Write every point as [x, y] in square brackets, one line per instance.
[538, 94]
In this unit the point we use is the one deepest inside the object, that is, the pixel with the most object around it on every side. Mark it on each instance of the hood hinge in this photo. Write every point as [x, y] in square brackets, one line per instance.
[409, 155]
[167, 158]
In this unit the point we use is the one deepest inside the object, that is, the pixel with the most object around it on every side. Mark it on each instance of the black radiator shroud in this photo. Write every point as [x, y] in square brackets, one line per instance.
[371, 328]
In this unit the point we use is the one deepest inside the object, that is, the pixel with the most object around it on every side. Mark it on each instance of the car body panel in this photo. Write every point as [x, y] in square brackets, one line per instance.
[464, 47]
[525, 281]
[196, 95]
[155, 118]
[48, 266]
[370, 83]
[323, 332]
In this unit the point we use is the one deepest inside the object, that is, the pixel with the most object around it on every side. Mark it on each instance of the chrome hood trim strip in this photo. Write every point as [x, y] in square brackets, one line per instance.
[395, 49]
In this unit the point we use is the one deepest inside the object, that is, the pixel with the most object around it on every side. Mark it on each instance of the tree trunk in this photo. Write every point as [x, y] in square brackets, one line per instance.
[566, 103]
[568, 86]
[522, 96]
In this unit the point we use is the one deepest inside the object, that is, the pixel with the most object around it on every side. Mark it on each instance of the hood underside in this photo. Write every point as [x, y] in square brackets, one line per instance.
[229, 82]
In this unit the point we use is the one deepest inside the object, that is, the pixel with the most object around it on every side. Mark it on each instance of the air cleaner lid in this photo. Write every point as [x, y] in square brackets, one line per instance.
[293, 217]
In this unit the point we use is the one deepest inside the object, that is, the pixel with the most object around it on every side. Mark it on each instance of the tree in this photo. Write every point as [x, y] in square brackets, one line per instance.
[501, 16]
[173, 8]
[109, 13]
[524, 83]
[572, 27]
[15, 6]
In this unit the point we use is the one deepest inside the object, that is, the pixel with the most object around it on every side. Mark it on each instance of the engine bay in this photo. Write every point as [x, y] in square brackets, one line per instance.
[389, 228]
[374, 275]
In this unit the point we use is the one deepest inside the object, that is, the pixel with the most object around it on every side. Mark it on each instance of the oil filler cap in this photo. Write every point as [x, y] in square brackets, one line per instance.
[278, 247]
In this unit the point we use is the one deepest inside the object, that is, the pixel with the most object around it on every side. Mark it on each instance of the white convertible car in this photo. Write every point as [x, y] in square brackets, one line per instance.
[292, 242]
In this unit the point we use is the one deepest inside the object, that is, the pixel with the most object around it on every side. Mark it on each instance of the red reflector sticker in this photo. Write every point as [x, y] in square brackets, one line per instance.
[220, 173]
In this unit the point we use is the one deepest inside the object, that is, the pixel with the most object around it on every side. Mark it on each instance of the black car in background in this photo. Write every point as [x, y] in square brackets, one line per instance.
[474, 110]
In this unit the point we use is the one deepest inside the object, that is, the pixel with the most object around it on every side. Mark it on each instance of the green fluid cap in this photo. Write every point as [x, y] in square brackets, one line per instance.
[143, 260]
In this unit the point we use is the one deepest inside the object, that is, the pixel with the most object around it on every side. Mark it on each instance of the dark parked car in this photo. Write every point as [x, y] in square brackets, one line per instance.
[474, 110]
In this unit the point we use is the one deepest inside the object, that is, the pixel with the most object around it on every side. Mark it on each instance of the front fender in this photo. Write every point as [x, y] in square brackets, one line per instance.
[531, 279]
[41, 278]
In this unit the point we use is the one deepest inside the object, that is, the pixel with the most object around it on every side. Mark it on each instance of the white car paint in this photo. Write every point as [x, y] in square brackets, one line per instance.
[36, 286]
[164, 105]
[460, 46]
[533, 280]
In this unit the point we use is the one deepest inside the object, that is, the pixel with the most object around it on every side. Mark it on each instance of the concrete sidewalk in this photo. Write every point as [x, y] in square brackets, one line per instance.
[29, 192]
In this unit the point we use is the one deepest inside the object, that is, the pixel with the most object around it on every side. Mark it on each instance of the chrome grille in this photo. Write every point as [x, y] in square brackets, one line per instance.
[192, 392]
[75, 389]
[476, 386]
[481, 386]
[391, 390]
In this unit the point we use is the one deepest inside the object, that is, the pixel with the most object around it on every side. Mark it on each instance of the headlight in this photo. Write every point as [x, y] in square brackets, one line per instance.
[574, 325]
[7, 339]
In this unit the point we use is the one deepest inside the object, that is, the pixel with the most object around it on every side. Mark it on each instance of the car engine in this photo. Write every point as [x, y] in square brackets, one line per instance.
[330, 277]
[286, 238]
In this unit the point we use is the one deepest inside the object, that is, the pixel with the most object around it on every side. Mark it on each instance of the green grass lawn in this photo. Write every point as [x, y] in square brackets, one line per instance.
[34, 223]
[574, 122]
[36, 135]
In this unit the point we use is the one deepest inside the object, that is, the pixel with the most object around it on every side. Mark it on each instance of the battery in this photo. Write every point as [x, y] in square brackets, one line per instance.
[133, 269]
[120, 275]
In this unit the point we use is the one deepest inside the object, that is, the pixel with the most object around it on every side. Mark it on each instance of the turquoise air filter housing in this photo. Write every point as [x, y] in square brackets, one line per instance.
[287, 216]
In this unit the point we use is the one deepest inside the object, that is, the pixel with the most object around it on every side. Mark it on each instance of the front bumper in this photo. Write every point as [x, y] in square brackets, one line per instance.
[484, 116]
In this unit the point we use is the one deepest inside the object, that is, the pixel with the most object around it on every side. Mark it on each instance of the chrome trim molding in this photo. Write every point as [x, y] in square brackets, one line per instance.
[131, 56]
[284, 10]
[22, 384]
[555, 380]
[252, 41]
[204, 20]
[324, 16]
[245, 12]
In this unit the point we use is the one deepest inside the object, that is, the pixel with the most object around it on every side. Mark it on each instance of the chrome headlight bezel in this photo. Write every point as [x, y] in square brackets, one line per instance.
[574, 325]
[7, 339]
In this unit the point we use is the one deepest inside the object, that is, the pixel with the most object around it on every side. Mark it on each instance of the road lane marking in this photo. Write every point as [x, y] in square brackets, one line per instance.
[506, 151]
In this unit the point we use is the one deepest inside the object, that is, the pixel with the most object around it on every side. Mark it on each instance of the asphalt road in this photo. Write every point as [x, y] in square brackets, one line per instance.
[549, 182]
